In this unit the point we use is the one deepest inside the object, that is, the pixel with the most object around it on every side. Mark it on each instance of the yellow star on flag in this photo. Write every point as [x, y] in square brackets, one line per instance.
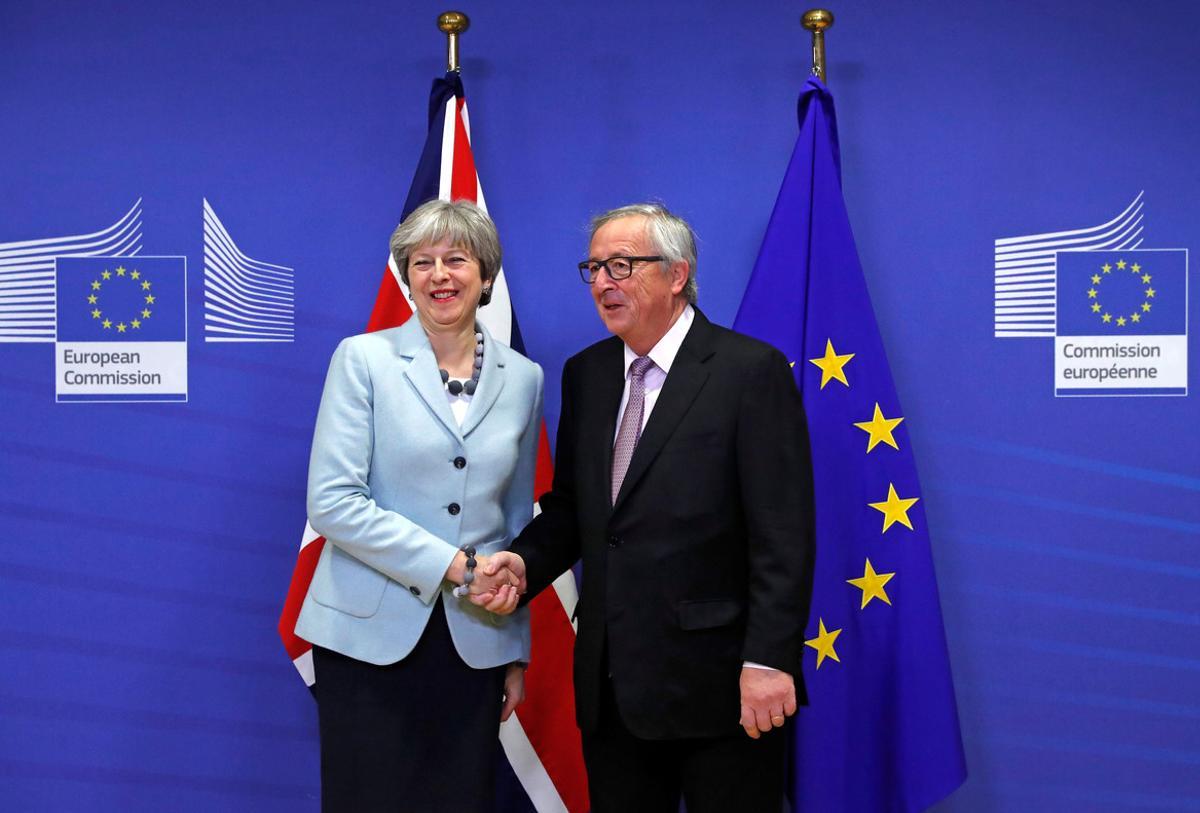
[1146, 278]
[1095, 307]
[1120, 321]
[832, 365]
[92, 299]
[894, 509]
[145, 285]
[1135, 317]
[879, 429]
[149, 299]
[145, 313]
[1095, 279]
[871, 585]
[120, 327]
[823, 643]
[106, 274]
[95, 313]
[1146, 307]
[135, 323]
[1106, 268]
[1135, 268]
[1150, 292]
[1121, 264]
[107, 324]
[134, 274]
[1107, 317]
[95, 285]
[1092, 293]
[121, 271]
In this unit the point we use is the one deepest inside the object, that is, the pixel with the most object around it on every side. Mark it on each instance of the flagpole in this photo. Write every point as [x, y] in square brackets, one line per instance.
[453, 23]
[817, 20]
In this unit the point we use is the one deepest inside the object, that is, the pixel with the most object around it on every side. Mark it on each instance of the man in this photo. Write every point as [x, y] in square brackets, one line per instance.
[683, 480]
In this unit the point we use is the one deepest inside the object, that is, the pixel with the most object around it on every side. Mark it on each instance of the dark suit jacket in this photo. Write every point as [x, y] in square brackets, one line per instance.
[706, 558]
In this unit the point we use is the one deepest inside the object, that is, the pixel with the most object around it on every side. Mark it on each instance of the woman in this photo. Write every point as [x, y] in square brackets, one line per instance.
[422, 465]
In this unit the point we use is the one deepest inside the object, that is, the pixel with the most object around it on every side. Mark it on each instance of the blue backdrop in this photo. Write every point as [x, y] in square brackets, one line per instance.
[145, 548]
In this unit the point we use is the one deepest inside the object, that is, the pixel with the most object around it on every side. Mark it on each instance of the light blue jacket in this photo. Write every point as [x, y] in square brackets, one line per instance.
[383, 487]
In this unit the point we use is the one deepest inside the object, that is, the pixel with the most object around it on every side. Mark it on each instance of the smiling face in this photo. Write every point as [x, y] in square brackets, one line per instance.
[642, 307]
[445, 283]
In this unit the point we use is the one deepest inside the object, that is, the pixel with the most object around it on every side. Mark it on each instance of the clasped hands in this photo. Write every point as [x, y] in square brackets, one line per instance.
[499, 581]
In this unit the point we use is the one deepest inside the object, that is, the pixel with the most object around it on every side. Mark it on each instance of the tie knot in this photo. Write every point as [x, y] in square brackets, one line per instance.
[641, 365]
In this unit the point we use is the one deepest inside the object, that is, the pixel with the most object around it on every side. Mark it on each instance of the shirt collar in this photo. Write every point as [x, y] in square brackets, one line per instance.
[663, 354]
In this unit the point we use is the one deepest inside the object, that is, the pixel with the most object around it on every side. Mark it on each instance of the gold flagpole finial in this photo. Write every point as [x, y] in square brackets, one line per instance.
[453, 23]
[817, 20]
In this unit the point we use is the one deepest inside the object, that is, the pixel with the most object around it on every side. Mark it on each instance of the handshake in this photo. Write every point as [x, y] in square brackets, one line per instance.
[499, 581]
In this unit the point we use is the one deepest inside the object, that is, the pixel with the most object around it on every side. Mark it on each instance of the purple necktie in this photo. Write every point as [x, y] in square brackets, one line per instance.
[631, 423]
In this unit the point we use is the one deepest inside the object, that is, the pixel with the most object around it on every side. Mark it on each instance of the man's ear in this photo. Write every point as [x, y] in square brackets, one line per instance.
[679, 276]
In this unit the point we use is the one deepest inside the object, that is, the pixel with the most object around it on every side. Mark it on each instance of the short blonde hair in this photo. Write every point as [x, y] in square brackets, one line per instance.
[462, 224]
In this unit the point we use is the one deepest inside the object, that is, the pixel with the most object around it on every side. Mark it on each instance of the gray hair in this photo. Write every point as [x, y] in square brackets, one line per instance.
[462, 224]
[670, 234]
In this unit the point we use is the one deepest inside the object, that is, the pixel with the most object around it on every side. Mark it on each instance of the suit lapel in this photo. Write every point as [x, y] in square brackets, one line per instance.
[491, 382]
[422, 373]
[684, 382]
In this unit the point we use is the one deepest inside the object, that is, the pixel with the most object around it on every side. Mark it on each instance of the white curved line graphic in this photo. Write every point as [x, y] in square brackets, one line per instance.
[27, 289]
[1026, 269]
[245, 300]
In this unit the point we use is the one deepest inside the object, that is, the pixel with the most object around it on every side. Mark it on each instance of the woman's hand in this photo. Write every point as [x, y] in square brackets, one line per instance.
[501, 581]
[514, 689]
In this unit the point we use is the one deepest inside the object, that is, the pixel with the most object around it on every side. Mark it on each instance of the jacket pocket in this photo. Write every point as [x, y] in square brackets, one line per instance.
[345, 584]
[709, 613]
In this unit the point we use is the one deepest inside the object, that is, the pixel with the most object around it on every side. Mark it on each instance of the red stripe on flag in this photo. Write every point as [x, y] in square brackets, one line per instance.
[543, 477]
[548, 712]
[391, 309]
[464, 183]
[306, 563]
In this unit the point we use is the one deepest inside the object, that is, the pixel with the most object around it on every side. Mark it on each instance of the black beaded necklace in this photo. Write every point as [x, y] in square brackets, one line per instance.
[456, 386]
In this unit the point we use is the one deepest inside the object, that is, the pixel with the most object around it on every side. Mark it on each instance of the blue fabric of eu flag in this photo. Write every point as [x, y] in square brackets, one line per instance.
[881, 731]
[1136, 292]
[140, 298]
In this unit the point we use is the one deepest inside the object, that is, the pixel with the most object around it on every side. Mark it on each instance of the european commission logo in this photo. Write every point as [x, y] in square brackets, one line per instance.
[121, 329]
[118, 318]
[1117, 311]
[1122, 323]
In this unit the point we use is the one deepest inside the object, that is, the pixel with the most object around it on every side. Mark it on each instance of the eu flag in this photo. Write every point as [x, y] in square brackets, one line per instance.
[881, 732]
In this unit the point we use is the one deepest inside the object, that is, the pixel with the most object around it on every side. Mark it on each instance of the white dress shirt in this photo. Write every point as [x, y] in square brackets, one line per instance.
[663, 355]
[459, 403]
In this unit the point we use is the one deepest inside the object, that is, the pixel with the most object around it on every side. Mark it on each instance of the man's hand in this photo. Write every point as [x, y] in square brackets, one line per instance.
[514, 689]
[490, 582]
[505, 570]
[768, 699]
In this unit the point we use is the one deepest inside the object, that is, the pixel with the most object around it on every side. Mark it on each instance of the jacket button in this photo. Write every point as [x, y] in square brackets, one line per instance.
[614, 542]
[453, 508]
[459, 462]
[416, 591]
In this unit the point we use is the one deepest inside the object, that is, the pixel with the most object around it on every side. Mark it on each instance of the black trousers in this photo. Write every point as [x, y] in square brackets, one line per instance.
[713, 774]
[418, 735]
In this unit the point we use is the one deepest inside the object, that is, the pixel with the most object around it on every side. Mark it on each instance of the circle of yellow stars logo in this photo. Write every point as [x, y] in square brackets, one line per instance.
[1106, 273]
[121, 276]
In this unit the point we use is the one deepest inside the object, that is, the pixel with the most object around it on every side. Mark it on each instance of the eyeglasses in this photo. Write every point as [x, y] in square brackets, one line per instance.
[617, 267]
